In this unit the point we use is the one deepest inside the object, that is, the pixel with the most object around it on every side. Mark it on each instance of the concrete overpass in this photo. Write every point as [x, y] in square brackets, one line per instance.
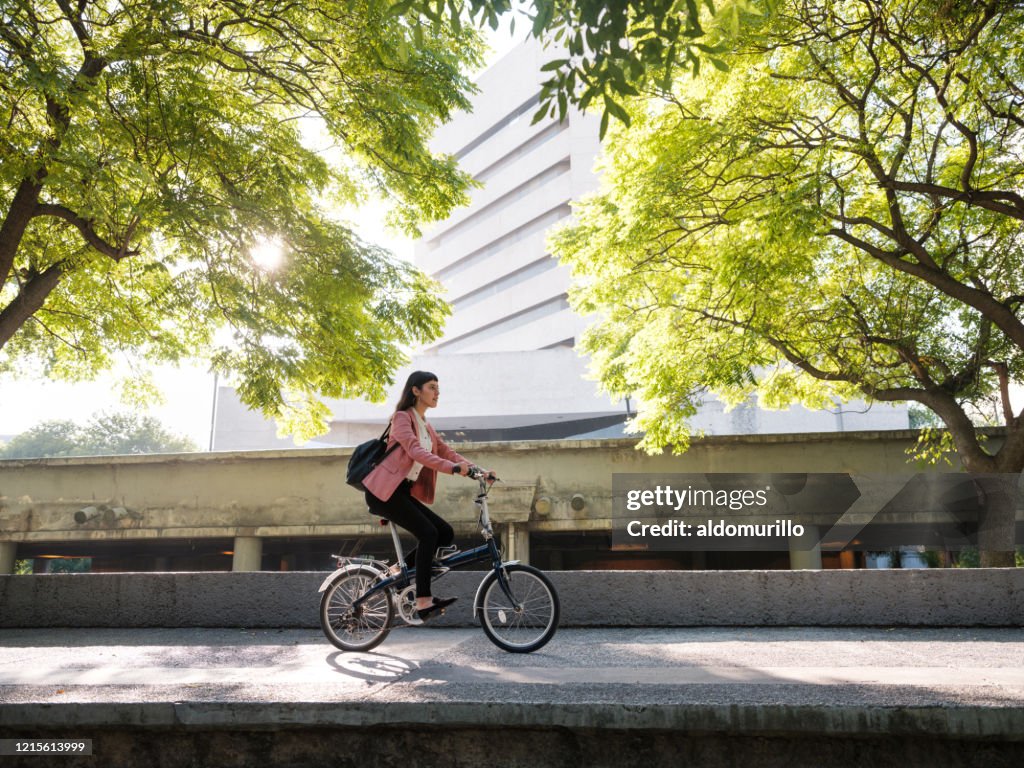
[249, 500]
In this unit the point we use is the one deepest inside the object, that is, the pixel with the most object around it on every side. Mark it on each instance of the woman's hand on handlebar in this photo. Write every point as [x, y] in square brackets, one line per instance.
[473, 472]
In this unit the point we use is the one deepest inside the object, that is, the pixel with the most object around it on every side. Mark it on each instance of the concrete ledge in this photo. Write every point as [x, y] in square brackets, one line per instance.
[598, 735]
[950, 722]
[518, 747]
[911, 598]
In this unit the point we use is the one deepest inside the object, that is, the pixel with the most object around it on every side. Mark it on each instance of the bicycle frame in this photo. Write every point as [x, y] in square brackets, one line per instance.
[487, 551]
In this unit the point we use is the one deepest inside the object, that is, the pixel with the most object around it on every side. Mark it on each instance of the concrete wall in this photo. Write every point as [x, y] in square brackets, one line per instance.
[953, 597]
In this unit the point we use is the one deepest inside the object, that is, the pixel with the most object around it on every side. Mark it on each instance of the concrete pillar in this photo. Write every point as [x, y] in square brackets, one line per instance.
[517, 542]
[8, 554]
[802, 556]
[248, 553]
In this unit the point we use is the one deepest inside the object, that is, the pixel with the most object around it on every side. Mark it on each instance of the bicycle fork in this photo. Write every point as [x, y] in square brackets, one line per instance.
[506, 588]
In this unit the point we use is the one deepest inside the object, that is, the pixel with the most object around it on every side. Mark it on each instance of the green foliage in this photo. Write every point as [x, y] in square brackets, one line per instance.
[147, 147]
[934, 445]
[51, 438]
[55, 565]
[70, 565]
[104, 435]
[610, 51]
[921, 417]
[969, 557]
[835, 215]
[933, 559]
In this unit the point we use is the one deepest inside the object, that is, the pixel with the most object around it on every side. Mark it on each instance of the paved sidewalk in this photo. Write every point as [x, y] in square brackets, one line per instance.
[140, 668]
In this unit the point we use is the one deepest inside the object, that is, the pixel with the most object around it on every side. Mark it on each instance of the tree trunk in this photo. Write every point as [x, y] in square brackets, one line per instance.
[29, 300]
[997, 520]
[23, 206]
[998, 478]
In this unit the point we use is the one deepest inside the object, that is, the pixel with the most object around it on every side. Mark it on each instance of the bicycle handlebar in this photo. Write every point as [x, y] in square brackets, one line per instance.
[475, 473]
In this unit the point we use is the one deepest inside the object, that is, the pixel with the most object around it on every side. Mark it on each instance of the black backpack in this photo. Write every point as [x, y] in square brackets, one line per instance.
[365, 457]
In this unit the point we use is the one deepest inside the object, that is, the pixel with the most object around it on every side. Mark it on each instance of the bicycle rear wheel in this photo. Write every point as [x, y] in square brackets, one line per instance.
[528, 622]
[356, 629]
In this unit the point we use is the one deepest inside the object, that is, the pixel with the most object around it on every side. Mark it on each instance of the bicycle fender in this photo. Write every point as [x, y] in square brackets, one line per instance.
[480, 588]
[343, 569]
[331, 578]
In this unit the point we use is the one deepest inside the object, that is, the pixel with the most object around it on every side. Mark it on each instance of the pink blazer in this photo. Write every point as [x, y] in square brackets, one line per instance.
[390, 473]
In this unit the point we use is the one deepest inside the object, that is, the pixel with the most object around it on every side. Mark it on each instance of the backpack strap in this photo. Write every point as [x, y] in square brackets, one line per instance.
[384, 438]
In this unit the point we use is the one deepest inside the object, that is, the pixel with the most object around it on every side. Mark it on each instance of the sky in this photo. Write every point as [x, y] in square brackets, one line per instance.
[188, 392]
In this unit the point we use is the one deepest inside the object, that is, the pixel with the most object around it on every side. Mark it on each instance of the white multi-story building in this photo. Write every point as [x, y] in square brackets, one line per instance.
[506, 362]
[508, 294]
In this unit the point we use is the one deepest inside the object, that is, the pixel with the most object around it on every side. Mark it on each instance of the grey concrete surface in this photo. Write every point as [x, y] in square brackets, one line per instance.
[942, 597]
[613, 696]
[967, 680]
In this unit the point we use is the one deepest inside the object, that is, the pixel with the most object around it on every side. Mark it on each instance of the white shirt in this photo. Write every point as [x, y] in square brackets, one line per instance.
[425, 442]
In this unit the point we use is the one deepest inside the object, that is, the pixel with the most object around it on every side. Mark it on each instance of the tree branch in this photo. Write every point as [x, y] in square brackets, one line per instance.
[984, 302]
[28, 301]
[85, 227]
[75, 19]
[1003, 373]
[989, 200]
[942, 403]
[940, 90]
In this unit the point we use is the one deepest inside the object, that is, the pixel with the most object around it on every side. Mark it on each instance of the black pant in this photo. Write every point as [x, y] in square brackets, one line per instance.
[416, 517]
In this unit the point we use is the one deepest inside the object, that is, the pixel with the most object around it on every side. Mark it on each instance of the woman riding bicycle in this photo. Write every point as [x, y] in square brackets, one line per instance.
[401, 486]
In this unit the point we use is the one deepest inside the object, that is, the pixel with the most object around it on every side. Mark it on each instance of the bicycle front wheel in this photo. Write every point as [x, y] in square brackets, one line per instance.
[356, 629]
[529, 620]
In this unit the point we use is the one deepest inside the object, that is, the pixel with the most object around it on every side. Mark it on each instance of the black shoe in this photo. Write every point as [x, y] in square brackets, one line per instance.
[440, 603]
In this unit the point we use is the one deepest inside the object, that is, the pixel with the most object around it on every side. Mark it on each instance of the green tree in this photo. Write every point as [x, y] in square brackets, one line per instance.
[148, 146]
[836, 215]
[123, 433]
[106, 434]
[51, 438]
[609, 48]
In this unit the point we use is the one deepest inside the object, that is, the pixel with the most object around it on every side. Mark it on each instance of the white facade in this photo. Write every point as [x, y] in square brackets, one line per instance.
[493, 395]
[528, 395]
[507, 292]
